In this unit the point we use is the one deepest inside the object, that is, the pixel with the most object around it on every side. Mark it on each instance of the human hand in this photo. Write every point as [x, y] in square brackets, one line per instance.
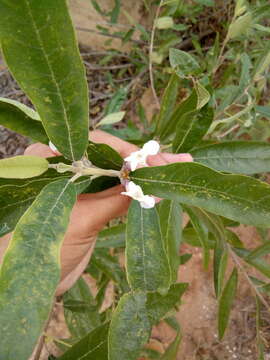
[93, 211]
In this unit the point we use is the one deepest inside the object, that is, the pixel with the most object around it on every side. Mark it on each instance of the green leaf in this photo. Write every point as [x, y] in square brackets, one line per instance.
[206, 2]
[170, 215]
[39, 46]
[113, 237]
[202, 95]
[167, 105]
[30, 270]
[80, 309]
[202, 233]
[226, 302]
[116, 102]
[183, 63]
[19, 118]
[260, 251]
[22, 167]
[130, 327]
[191, 129]
[220, 266]
[146, 261]
[164, 22]
[183, 108]
[240, 26]
[103, 156]
[159, 305]
[172, 349]
[93, 346]
[109, 265]
[16, 195]
[243, 157]
[112, 118]
[259, 264]
[235, 197]
[29, 112]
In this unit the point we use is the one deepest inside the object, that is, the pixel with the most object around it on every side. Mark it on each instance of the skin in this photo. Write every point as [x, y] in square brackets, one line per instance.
[91, 211]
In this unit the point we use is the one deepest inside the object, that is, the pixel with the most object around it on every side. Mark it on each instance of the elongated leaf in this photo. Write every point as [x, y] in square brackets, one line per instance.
[172, 349]
[220, 266]
[260, 251]
[240, 26]
[80, 309]
[183, 63]
[103, 156]
[226, 302]
[170, 215]
[130, 327]
[31, 269]
[191, 128]
[29, 112]
[16, 118]
[112, 118]
[16, 195]
[113, 237]
[259, 264]
[186, 106]
[243, 157]
[159, 305]
[202, 233]
[109, 265]
[38, 43]
[22, 167]
[146, 261]
[93, 346]
[167, 105]
[235, 197]
[202, 94]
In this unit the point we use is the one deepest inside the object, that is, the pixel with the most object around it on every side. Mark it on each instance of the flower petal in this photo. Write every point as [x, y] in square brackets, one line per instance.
[148, 202]
[151, 147]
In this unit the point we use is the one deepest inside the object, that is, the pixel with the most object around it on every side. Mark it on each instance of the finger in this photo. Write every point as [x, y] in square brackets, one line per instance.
[90, 213]
[124, 148]
[39, 149]
[167, 158]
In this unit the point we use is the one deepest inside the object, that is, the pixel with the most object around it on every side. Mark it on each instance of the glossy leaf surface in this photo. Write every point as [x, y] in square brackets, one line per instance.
[235, 197]
[103, 156]
[243, 157]
[130, 327]
[39, 46]
[31, 269]
[146, 261]
[22, 167]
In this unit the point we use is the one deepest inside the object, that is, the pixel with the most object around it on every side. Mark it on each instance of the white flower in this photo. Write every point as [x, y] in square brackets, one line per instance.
[138, 158]
[136, 193]
[53, 147]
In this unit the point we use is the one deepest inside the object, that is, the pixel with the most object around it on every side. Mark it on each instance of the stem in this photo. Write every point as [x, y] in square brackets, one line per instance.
[80, 169]
[151, 52]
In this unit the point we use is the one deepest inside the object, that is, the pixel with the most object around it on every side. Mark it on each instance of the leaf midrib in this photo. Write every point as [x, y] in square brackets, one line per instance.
[53, 77]
[199, 188]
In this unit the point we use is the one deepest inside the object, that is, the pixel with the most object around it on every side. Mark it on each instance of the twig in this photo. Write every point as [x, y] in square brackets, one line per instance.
[114, 36]
[240, 266]
[151, 47]
[109, 67]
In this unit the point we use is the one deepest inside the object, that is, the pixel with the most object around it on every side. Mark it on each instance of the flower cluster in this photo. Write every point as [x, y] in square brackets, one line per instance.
[134, 161]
